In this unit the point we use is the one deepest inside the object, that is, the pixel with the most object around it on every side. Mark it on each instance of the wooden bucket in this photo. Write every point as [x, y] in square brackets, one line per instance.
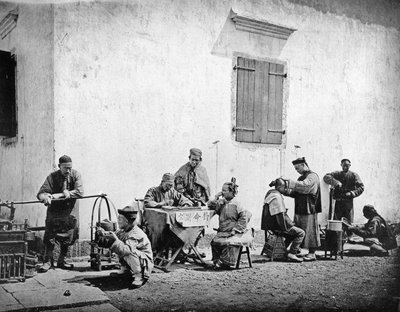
[335, 225]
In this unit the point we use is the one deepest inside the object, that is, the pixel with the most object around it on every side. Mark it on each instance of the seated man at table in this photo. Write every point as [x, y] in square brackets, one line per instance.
[275, 219]
[194, 179]
[165, 195]
[376, 233]
[232, 231]
[131, 245]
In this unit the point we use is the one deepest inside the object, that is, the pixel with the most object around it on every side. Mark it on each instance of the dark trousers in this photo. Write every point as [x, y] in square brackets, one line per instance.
[344, 208]
[49, 250]
[57, 232]
[295, 237]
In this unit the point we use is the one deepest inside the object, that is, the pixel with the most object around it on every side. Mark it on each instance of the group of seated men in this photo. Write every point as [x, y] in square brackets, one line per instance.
[190, 187]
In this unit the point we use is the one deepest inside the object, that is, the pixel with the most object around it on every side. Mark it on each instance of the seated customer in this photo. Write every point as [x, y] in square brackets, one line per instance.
[376, 233]
[165, 194]
[275, 219]
[232, 229]
[131, 245]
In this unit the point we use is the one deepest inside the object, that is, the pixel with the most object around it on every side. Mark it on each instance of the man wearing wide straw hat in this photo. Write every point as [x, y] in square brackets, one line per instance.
[131, 245]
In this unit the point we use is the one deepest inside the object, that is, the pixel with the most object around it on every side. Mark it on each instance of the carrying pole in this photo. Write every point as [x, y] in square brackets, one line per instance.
[331, 206]
[11, 203]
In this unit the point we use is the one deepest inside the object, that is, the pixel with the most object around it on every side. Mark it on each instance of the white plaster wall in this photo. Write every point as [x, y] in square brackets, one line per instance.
[139, 83]
[25, 164]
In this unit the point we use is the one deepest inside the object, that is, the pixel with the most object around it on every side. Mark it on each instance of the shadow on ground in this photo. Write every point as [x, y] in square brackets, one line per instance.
[106, 283]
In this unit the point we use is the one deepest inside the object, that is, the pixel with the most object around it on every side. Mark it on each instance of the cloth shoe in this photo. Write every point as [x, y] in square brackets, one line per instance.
[122, 271]
[45, 267]
[294, 258]
[65, 266]
[299, 254]
[138, 282]
[310, 257]
[219, 265]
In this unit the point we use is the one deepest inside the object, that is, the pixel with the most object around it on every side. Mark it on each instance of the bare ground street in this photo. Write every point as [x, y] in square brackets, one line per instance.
[355, 283]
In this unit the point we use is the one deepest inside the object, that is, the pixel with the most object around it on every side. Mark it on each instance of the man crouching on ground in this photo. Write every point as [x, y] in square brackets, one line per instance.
[131, 245]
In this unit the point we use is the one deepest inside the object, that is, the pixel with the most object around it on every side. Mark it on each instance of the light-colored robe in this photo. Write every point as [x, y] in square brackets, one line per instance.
[134, 248]
[232, 216]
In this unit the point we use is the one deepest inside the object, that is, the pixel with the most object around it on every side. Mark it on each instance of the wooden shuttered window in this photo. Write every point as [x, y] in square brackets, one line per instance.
[8, 118]
[259, 101]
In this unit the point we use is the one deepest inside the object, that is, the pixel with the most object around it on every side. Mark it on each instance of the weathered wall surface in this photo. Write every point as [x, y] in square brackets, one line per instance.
[139, 83]
[25, 163]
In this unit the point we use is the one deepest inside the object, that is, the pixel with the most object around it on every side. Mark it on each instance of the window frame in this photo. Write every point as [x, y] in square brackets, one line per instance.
[234, 101]
[13, 138]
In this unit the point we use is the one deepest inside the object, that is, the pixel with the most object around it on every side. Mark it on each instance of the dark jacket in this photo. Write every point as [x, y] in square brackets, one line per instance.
[350, 180]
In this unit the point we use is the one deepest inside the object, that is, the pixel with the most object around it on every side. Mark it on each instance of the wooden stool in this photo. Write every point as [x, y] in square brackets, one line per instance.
[274, 246]
[247, 251]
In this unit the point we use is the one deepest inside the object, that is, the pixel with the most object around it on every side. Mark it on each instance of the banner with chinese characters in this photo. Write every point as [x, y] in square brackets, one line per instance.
[194, 217]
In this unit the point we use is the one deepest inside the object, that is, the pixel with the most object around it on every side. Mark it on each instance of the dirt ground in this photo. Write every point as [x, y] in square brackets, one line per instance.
[355, 283]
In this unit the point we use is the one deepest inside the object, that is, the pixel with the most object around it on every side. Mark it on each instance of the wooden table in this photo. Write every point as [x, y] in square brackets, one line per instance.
[171, 229]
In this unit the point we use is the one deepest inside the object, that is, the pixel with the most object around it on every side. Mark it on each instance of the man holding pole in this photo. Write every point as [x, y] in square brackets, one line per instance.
[59, 193]
[346, 186]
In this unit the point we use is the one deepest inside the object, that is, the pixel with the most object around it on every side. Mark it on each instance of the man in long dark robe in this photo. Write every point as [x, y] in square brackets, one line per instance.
[307, 205]
[195, 181]
[347, 185]
[59, 193]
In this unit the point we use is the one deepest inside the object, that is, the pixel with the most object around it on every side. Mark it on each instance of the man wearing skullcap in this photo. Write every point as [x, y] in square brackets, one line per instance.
[307, 204]
[347, 185]
[195, 181]
[376, 232]
[165, 194]
[131, 245]
[62, 215]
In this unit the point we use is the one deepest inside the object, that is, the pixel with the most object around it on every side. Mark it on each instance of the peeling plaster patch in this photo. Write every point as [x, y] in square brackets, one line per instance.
[74, 84]
[147, 36]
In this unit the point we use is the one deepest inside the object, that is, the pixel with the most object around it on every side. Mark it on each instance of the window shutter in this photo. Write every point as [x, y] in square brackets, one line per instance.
[245, 100]
[273, 126]
[7, 95]
[259, 99]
